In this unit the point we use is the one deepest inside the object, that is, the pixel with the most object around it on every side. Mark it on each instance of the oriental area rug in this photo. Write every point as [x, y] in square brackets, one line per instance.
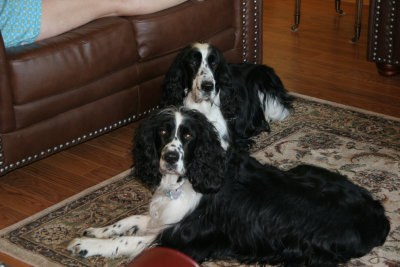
[363, 146]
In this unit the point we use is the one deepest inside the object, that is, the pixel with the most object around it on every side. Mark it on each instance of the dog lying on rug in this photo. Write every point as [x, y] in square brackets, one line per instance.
[239, 99]
[213, 204]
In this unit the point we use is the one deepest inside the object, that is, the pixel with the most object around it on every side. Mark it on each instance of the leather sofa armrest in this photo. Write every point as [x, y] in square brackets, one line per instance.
[7, 121]
[250, 25]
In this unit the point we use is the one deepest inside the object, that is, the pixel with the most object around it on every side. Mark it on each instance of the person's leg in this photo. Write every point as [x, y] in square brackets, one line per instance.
[59, 16]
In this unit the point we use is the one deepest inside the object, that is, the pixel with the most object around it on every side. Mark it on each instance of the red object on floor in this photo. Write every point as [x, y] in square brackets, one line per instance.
[163, 257]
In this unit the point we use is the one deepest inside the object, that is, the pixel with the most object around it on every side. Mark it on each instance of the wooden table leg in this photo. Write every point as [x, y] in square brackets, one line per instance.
[357, 25]
[337, 7]
[296, 15]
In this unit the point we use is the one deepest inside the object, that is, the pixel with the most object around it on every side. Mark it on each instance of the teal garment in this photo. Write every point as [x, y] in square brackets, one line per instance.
[20, 21]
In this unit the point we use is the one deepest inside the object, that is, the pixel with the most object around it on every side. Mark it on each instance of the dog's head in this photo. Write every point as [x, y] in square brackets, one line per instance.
[179, 142]
[200, 69]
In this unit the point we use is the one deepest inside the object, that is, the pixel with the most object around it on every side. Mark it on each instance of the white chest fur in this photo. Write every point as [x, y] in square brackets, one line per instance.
[213, 113]
[165, 210]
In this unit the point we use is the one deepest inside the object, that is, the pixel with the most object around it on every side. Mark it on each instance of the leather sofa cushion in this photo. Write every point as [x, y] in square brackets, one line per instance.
[156, 37]
[71, 60]
[45, 108]
[48, 136]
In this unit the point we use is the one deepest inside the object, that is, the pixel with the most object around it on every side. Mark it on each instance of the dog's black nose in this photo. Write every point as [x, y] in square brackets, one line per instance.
[171, 157]
[207, 86]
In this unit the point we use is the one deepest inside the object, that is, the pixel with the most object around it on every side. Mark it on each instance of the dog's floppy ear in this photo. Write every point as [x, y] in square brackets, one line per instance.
[207, 168]
[175, 82]
[145, 156]
[223, 77]
[230, 97]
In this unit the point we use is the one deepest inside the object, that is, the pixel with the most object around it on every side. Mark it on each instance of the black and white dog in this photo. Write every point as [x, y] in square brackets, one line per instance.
[239, 99]
[216, 204]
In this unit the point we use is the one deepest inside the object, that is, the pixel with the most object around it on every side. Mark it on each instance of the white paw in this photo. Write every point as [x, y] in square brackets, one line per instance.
[129, 246]
[85, 247]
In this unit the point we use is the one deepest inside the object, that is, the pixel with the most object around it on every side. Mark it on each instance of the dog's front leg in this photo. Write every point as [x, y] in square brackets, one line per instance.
[133, 225]
[130, 246]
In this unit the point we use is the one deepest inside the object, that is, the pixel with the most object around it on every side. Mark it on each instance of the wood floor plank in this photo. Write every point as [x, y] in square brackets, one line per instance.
[101, 174]
[72, 163]
[24, 200]
[9, 215]
[102, 156]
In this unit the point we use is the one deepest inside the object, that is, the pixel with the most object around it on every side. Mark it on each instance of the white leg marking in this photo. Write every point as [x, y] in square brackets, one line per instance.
[133, 225]
[126, 245]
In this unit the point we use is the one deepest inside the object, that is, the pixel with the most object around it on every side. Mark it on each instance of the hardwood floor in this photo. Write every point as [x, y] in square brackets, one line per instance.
[318, 60]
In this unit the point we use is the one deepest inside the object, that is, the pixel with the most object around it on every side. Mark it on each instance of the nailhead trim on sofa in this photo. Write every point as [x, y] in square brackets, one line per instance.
[245, 30]
[80, 139]
[388, 58]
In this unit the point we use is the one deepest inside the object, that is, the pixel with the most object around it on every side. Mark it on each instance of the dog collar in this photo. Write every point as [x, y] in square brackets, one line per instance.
[175, 193]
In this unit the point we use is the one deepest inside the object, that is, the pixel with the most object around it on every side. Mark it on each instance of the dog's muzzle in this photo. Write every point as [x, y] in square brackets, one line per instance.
[171, 162]
[204, 85]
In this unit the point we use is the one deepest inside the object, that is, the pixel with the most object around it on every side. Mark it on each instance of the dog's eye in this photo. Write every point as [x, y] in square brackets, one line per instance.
[213, 64]
[187, 137]
[163, 132]
[193, 63]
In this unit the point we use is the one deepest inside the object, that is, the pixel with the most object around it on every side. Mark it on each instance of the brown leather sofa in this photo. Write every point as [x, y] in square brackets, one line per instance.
[65, 90]
[384, 36]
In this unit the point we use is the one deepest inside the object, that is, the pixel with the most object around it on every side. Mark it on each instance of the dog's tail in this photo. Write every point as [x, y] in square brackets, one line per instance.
[275, 99]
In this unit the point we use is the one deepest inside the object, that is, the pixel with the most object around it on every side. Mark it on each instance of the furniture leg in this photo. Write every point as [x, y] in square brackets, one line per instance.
[387, 70]
[357, 25]
[296, 15]
[337, 7]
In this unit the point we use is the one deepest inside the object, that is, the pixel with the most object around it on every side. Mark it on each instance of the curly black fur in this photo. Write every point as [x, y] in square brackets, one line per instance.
[205, 171]
[257, 213]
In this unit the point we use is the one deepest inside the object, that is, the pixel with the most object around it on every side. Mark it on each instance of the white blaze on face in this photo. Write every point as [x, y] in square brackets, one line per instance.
[175, 146]
[204, 74]
[178, 122]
